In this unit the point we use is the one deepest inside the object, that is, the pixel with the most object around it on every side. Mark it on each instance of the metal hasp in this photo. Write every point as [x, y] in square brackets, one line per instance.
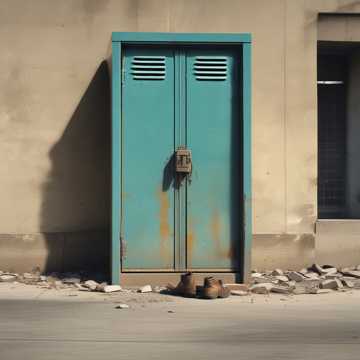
[183, 160]
[179, 99]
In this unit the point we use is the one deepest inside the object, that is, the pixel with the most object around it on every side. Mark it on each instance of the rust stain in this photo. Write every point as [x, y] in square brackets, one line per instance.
[190, 240]
[215, 229]
[215, 225]
[164, 222]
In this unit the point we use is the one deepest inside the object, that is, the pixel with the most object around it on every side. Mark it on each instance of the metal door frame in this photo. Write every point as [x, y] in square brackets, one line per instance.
[119, 40]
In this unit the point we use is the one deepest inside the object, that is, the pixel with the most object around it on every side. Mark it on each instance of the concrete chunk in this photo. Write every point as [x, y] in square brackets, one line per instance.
[282, 278]
[280, 289]
[122, 306]
[145, 289]
[329, 271]
[277, 272]
[294, 275]
[333, 284]
[264, 288]
[317, 268]
[256, 275]
[261, 280]
[108, 288]
[239, 292]
[312, 275]
[91, 284]
[348, 283]
[352, 273]
[8, 277]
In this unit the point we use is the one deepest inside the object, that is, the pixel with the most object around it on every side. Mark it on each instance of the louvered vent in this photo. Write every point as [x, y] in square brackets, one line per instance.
[210, 68]
[148, 68]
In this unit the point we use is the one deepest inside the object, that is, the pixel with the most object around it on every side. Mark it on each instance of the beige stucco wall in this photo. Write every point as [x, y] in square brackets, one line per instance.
[54, 134]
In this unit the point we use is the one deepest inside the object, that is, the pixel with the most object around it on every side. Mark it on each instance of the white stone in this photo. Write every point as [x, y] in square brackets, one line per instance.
[333, 284]
[239, 292]
[303, 271]
[145, 289]
[8, 277]
[110, 288]
[122, 306]
[347, 283]
[329, 271]
[282, 278]
[280, 289]
[277, 272]
[91, 284]
[28, 276]
[264, 288]
[294, 275]
[312, 275]
[256, 275]
[262, 280]
[352, 273]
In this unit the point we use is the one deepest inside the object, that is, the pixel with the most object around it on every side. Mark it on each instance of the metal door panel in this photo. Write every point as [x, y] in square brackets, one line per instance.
[213, 135]
[148, 143]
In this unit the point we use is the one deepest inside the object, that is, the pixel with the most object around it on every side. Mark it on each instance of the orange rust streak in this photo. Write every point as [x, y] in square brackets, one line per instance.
[164, 222]
[190, 239]
[215, 231]
[216, 226]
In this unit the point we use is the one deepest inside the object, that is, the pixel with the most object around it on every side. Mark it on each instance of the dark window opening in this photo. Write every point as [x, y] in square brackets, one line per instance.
[337, 118]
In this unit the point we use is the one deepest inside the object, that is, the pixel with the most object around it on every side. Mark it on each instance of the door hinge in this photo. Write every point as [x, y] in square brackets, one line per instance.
[122, 248]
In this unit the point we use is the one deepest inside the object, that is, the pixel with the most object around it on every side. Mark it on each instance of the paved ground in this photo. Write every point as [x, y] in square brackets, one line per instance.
[58, 325]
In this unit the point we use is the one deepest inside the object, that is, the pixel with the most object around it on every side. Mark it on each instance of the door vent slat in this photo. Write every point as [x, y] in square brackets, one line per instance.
[210, 68]
[148, 68]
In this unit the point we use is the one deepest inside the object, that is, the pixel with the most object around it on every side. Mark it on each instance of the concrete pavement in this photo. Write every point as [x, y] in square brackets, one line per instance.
[254, 327]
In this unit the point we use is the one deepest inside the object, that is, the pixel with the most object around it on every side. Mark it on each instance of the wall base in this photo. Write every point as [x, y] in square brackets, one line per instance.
[70, 251]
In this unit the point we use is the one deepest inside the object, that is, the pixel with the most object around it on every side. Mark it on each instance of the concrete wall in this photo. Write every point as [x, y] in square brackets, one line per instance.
[54, 119]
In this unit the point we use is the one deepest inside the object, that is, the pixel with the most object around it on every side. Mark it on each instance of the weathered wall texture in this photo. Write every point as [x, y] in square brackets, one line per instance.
[54, 118]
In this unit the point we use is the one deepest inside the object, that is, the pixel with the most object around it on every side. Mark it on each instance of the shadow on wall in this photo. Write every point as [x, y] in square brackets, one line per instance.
[75, 214]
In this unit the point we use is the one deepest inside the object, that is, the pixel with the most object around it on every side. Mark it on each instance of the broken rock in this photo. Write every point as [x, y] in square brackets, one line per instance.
[122, 306]
[239, 292]
[277, 272]
[317, 268]
[280, 289]
[333, 284]
[256, 275]
[296, 276]
[145, 289]
[8, 277]
[282, 278]
[329, 271]
[264, 288]
[108, 288]
[312, 275]
[91, 284]
[348, 283]
[352, 273]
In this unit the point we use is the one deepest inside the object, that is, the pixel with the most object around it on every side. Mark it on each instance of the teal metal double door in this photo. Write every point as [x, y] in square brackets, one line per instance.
[181, 98]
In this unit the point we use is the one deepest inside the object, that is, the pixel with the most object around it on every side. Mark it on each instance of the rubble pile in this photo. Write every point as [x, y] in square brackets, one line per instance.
[59, 281]
[313, 280]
